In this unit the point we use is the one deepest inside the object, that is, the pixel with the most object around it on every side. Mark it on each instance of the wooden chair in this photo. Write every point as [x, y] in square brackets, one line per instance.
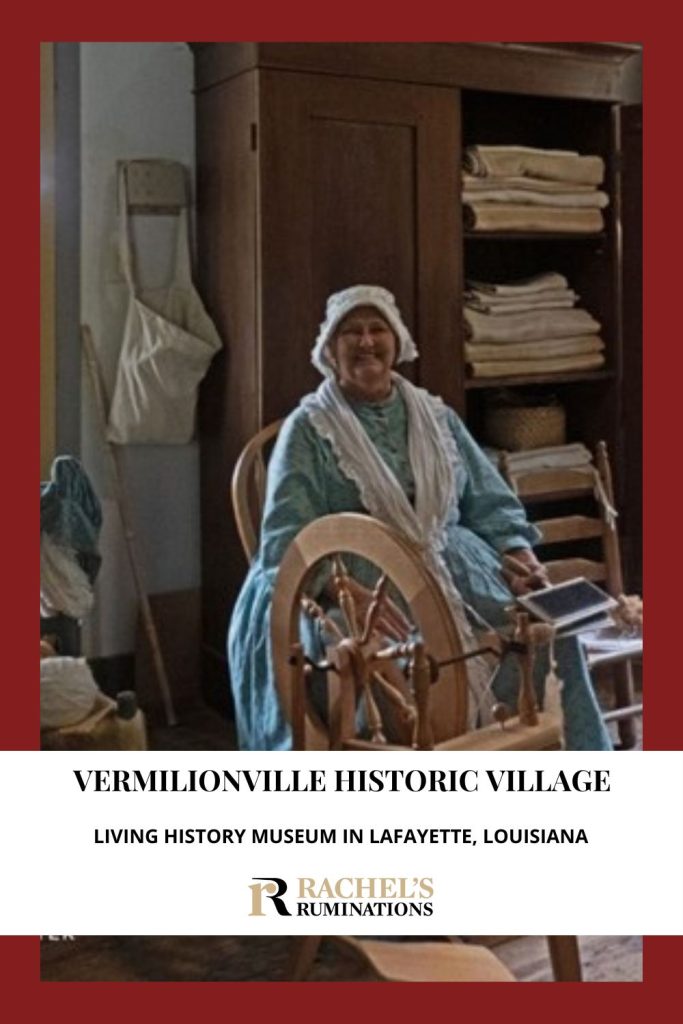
[248, 488]
[452, 960]
[570, 532]
[405, 961]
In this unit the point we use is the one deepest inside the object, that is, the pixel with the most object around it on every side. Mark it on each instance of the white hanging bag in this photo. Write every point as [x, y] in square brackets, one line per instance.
[168, 342]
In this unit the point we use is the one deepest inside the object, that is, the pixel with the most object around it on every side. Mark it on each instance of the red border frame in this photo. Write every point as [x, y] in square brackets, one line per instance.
[19, 957]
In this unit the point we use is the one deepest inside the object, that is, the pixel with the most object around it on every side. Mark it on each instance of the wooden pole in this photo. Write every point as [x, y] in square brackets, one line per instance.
[129, 536]
[297, 709]
[610, 540]
[424, 739]
[527, 708]
[565, 957]
[622, 672]
[344, 596]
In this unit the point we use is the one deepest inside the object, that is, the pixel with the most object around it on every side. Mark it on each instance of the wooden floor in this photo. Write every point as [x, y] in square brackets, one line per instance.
[603, 958]
[264, 958]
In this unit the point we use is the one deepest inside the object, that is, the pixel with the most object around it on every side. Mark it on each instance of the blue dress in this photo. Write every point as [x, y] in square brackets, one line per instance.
[304, 483]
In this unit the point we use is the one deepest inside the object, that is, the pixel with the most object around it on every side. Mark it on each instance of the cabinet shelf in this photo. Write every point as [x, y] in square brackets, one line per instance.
[580, 376]
[535, 236]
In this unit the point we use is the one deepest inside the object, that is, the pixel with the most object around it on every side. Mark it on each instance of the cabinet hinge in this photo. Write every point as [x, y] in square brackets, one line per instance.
[254, 135]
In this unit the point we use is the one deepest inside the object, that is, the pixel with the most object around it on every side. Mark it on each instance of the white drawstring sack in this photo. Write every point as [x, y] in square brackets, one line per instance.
[168, 342]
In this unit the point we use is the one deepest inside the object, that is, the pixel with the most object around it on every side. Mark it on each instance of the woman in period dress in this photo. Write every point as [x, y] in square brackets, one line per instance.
[370, 441]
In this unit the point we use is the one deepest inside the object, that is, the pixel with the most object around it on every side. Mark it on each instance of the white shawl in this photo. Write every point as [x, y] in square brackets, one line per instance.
[433, 453]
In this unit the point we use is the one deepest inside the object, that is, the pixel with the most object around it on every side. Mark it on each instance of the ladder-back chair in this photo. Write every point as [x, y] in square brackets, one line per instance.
[571, 534]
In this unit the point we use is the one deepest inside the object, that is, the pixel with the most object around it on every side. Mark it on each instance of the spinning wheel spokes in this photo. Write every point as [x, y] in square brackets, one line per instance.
[368, 675]
[367, 678]
[340, 580]
[428, 710]
[379, 679]
[378, 597]
[313, 609]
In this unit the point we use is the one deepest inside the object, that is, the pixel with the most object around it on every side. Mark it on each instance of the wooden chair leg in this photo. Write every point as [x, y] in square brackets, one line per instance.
[622, 675]
[302, 953]
[565, 957]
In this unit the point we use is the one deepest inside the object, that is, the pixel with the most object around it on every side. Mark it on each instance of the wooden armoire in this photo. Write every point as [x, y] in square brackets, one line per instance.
[322, 165]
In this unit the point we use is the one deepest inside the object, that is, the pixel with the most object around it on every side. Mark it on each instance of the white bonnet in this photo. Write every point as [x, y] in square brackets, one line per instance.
[341, 303]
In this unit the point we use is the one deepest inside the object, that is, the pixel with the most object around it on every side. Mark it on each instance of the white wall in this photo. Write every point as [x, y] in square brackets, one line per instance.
[136, 101]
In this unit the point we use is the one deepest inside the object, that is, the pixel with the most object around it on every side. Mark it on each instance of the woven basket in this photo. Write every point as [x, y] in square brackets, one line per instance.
[518, 428]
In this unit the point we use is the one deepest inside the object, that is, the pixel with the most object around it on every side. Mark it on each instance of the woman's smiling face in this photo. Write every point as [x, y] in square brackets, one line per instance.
[363, 353]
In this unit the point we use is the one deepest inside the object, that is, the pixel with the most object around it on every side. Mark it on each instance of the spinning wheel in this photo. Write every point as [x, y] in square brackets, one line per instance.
[425, 708]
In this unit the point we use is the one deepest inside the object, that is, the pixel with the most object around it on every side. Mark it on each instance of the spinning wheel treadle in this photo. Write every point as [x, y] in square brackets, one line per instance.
[432, 713]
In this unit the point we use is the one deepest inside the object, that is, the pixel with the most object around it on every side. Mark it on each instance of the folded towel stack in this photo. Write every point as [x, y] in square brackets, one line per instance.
[518, 188]
[529, 327]
[563, 456]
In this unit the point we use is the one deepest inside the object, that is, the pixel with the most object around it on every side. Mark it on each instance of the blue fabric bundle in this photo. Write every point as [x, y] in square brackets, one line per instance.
[71, 514]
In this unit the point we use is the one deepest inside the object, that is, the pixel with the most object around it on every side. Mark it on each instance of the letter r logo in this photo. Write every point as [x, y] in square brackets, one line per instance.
[274, 890]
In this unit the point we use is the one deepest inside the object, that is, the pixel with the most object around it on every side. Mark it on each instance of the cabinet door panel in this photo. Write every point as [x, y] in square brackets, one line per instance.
[359, 184]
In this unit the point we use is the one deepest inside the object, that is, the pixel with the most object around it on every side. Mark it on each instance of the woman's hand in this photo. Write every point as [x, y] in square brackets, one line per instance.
[523, 572]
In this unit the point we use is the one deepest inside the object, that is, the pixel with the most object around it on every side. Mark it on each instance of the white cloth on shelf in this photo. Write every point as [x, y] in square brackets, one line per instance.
[535, 325]
[594, 200]
[555, 164]
[536, 367]
[532, 298]
[482, 216]
[491, 182]
[561, 456]
[545, 300]
[544, 348]
[548, 281]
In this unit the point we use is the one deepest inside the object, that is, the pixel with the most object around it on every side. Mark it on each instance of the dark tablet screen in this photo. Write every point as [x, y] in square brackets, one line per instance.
[567, 601]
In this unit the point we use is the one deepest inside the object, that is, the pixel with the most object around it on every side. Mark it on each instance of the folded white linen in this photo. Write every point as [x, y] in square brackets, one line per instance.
[555, 164]
[595, 199]
[481, 216]
[502, 301]
[552, 457]
[546, 348]
[562, 456]
[525, 304]
[528, 367]
[492, 182]
[532, 326]
[548, 281]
